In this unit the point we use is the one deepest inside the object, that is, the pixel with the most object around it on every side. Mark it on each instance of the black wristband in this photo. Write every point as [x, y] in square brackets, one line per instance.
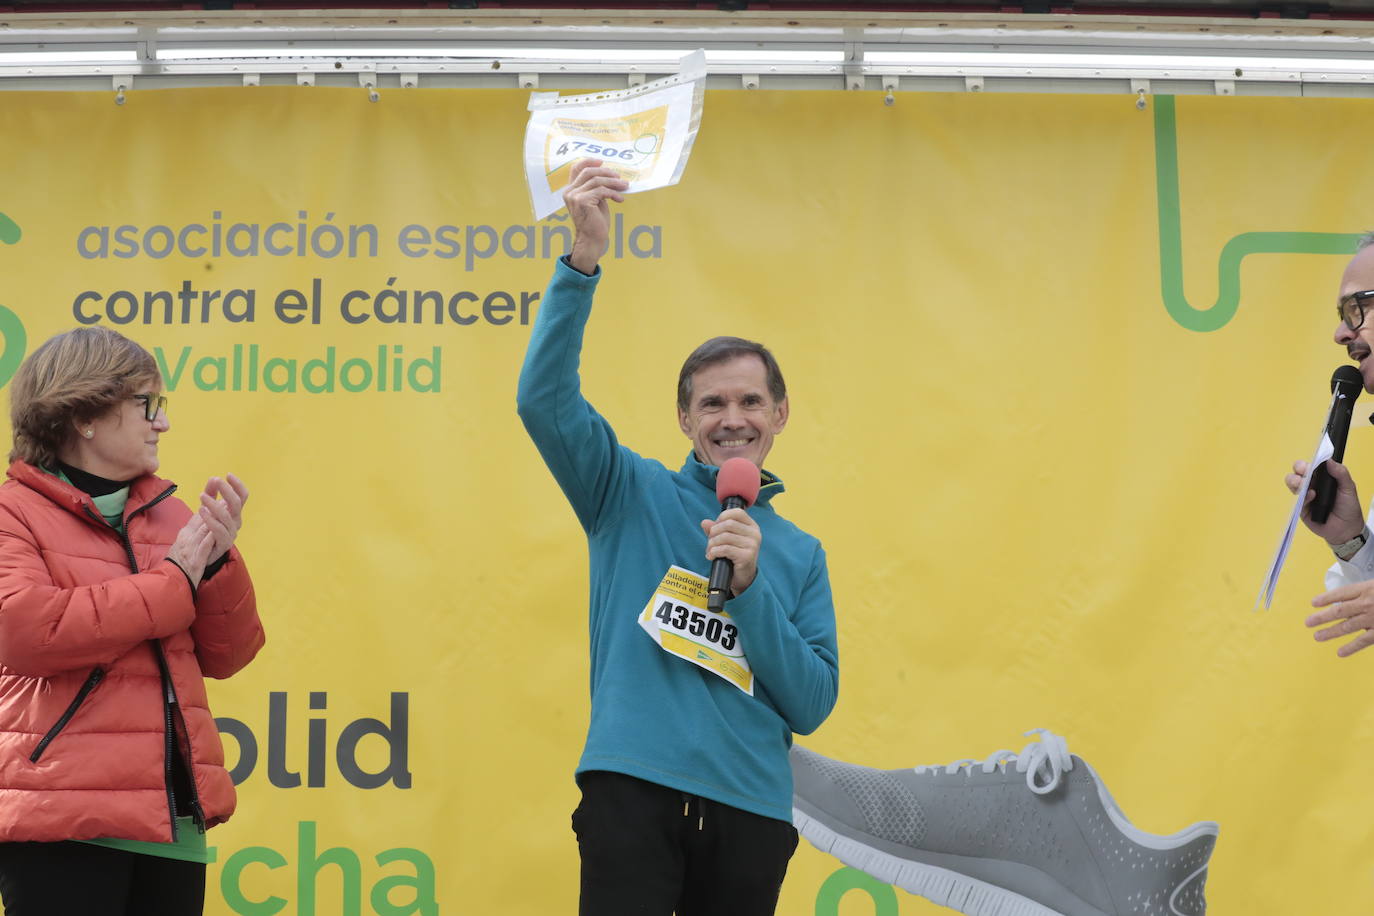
[184, 573]
[216, 566]
[567, 259]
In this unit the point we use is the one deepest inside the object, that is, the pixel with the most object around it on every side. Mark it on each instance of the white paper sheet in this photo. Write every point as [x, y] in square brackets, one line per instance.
[1324, 451]
[645, 133]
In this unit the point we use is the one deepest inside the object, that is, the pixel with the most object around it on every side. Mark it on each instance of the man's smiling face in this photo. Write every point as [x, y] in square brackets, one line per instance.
[731, 414]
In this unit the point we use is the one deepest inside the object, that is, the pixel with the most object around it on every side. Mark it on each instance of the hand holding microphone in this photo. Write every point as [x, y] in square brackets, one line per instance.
[733, 538]
[1345, 384]
[1334, 512]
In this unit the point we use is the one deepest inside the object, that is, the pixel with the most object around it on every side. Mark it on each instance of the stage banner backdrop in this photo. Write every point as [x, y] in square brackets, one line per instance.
[1049, 357]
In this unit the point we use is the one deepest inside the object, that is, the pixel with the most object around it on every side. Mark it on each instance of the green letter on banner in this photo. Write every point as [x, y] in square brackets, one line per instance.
[230, 881]
[308, 868]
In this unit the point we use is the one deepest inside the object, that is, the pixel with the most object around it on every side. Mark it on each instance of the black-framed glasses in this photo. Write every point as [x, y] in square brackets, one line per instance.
[1352, 308]
[152, 403]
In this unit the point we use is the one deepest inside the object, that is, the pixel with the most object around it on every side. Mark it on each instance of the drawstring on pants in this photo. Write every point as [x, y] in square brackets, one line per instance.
[701, 809]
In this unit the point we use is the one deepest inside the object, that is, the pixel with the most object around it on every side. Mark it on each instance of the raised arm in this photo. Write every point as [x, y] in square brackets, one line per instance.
[576, 443]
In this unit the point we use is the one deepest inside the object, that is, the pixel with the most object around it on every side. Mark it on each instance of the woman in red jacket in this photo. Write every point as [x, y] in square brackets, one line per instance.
[115, 601]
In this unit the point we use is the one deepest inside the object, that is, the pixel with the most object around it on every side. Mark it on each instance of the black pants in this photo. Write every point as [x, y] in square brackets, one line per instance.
[650, 850]
[78, 879]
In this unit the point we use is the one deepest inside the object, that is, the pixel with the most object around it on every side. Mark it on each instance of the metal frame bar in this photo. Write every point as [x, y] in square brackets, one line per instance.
[595, 49]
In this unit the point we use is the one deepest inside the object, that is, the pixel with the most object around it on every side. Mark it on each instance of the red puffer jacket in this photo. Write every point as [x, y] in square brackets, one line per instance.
[84, 643]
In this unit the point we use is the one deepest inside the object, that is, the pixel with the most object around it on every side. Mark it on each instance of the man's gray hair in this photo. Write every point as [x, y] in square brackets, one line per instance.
[1365, 241]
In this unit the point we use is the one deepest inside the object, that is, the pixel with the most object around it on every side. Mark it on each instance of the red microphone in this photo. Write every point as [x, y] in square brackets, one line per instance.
[737, 487]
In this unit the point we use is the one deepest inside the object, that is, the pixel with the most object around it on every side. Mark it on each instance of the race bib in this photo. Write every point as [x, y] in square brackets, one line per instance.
[677, 619]
[645, 134]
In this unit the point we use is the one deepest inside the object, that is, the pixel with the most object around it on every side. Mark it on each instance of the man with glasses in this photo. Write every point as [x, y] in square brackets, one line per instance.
[1348, 603]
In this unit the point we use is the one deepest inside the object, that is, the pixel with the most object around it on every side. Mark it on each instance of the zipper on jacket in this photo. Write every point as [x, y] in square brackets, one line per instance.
[100, 520]
[167, 750]
[169, 703]
[123, 535]
[169, 699]
[148, 505]
[172, 710]
[94, 678]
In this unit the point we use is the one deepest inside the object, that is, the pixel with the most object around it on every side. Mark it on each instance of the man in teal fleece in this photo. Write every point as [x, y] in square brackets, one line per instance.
[686, 788]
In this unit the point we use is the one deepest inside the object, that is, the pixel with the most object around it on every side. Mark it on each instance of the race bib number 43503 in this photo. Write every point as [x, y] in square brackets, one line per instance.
[677, 619]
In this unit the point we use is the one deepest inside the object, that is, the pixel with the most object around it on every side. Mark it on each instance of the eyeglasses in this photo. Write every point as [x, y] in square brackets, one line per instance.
[1352, 308]
[152, 403]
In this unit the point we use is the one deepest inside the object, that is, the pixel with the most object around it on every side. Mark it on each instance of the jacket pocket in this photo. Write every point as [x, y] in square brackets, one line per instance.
[92, 680]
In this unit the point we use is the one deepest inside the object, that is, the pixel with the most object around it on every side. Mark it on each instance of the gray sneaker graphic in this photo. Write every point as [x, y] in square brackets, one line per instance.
[1029, 834]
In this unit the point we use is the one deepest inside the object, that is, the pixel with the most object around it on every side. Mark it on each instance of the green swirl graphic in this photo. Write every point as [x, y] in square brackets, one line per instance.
[16, 341]
[10, 233]
[851, 879]
[1233, 252]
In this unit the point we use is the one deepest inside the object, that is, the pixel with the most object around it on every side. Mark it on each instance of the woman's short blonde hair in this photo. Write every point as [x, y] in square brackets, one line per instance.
[73, 377]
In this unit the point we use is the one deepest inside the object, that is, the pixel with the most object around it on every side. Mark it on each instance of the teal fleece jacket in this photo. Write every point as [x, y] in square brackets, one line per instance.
[654, 716]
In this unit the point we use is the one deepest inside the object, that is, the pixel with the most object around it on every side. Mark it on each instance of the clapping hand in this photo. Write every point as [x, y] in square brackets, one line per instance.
[223, 516]
[211, 531]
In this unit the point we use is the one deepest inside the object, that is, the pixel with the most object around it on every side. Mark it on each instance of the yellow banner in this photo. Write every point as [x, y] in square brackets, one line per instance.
[1049, 357]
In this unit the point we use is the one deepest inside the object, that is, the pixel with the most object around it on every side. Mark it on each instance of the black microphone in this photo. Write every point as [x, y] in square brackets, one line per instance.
[1346, 383]
[737, 486]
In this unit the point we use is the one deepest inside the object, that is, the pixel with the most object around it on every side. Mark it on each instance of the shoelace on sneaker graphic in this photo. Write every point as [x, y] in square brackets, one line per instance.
[1044, 761]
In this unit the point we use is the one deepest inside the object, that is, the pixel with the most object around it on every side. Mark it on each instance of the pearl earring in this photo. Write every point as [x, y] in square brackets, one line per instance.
[88, 433]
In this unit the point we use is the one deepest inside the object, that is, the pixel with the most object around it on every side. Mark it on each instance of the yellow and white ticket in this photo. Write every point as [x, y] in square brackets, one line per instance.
[677, 619]
[645, 133]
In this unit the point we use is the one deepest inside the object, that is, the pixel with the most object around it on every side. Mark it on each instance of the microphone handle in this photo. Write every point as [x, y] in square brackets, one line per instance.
[722, 569]
[1325, 488]
[1322, 481]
